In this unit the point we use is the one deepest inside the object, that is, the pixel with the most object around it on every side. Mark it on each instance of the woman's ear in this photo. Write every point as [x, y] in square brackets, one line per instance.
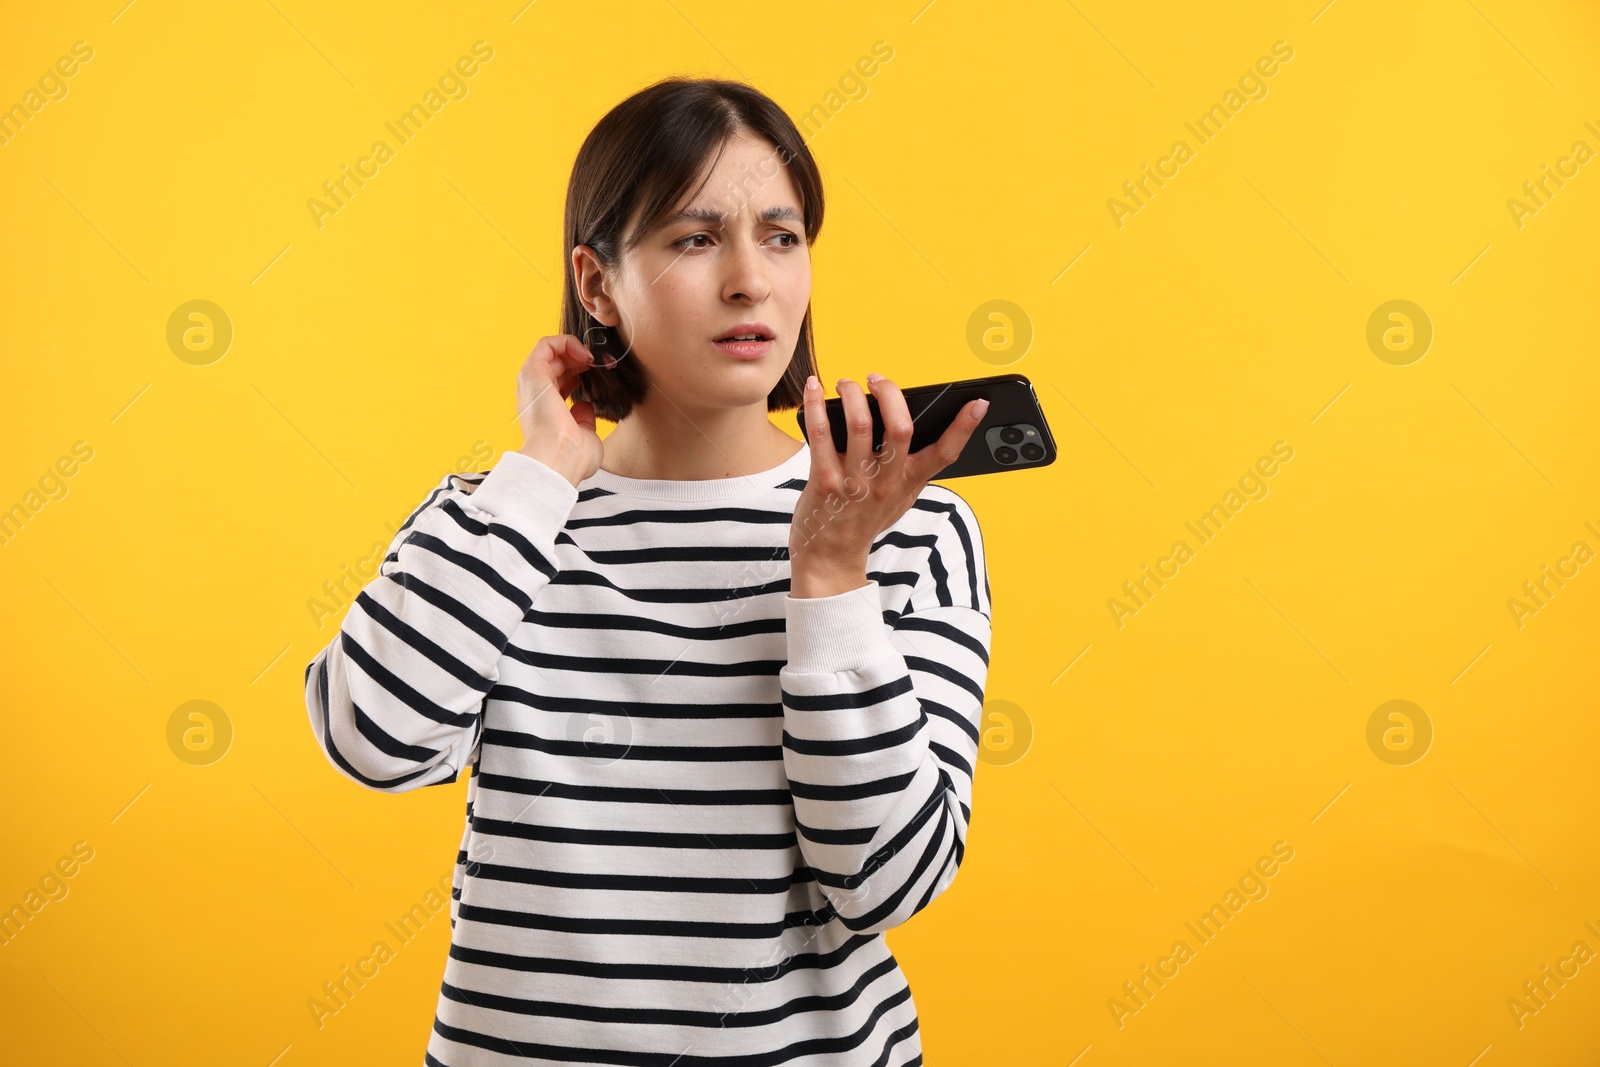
[590, 282]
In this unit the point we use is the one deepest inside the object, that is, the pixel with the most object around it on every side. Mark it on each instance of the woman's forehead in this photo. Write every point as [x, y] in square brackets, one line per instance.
[745, 180]
[757, 196]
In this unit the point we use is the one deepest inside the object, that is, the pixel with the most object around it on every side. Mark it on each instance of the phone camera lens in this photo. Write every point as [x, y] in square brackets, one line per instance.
[1032, 451]
[1005, 454]
[1011, 435]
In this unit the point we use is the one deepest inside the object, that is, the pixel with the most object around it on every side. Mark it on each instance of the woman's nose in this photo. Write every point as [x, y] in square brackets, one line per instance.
[747, 273]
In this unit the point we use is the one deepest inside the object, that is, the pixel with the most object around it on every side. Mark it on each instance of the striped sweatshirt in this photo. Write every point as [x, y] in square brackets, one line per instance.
[695, 803]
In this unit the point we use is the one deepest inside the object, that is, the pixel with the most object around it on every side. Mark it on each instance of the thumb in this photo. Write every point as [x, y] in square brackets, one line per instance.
[583, 413]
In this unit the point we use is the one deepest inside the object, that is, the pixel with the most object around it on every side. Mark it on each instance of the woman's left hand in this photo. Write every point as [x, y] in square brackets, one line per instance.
[853, 496]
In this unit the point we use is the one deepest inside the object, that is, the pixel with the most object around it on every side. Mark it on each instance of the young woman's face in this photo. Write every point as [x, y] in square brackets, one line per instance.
[735, 255]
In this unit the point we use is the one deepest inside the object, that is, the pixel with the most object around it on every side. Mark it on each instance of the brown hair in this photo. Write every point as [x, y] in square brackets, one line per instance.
[641, 159]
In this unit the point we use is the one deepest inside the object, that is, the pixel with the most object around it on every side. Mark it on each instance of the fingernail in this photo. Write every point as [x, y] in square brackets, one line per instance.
[874, 377]
[982, 407]
[812, 385]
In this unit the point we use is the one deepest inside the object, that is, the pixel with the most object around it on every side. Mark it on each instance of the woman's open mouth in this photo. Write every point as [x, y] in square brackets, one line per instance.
[748, 340]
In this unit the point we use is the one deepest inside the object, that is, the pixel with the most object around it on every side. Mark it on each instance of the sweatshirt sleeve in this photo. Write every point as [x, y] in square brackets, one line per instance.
[396, 698]
[881, 725]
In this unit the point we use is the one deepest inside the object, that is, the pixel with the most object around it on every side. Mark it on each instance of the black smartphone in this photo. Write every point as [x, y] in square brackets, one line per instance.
[1012, 435]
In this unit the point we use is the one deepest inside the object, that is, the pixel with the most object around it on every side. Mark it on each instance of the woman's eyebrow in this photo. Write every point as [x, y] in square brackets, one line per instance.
[713, 217]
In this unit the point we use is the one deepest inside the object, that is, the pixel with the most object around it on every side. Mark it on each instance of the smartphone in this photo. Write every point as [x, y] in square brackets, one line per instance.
[1012, 435]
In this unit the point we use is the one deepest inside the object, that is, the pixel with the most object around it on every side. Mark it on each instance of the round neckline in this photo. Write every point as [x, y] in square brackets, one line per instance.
[694, 489]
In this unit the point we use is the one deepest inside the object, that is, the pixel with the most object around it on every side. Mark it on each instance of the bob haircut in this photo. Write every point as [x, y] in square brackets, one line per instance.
[640, 161]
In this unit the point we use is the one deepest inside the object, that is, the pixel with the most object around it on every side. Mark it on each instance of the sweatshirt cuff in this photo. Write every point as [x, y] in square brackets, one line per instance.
[829, 634]
[527, 495]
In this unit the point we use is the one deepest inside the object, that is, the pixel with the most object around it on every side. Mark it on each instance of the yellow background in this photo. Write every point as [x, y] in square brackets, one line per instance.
[370, 356]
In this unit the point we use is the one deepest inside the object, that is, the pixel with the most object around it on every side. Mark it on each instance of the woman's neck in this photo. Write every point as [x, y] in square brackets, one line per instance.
[723, 444]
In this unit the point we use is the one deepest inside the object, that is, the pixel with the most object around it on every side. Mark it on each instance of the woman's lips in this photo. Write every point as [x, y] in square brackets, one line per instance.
[744, 349]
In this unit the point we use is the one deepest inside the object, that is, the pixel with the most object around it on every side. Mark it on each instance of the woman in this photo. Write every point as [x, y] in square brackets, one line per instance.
[719, 694]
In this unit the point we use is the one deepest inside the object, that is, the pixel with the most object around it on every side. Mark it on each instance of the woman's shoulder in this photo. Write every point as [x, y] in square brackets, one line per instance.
[948, 549]
[938, 506]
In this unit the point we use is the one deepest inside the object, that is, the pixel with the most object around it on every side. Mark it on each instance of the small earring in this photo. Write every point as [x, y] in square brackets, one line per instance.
[597, 339]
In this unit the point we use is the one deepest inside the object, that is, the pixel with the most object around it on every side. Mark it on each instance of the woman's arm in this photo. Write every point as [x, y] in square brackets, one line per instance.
[396, 698]
[881, 729]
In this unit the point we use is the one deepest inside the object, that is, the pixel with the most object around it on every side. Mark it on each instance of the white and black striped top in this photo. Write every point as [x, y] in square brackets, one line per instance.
[696, 802]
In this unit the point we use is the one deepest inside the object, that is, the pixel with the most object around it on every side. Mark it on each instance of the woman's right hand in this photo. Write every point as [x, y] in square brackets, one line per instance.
[560, 437]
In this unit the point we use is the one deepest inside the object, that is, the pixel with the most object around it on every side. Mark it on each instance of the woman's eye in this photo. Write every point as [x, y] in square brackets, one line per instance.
[793, 240]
